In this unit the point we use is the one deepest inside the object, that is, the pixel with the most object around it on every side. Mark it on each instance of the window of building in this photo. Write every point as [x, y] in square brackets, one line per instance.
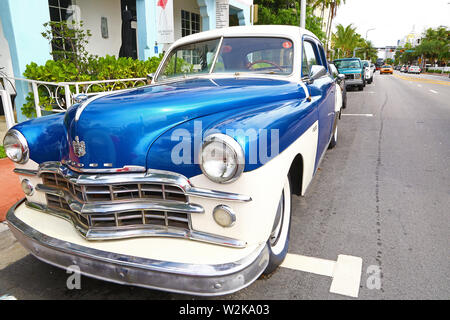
[190, 23]
[58, 9]
[59, 12]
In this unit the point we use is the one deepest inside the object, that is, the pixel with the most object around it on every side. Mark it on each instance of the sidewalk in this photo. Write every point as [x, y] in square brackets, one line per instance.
[10, 190]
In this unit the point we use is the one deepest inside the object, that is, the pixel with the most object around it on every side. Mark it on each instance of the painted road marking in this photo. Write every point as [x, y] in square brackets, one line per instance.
[419, 85]
[346, 271]
[347, 276]
[358, 114]
[433, 91]
[309, 264]
[423, 80]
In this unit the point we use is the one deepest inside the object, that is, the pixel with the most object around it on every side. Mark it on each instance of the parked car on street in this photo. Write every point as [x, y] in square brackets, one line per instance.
[386, 69]
[340, 82]
[161, 186]
[368, 73]
[379, 63]
[414, 69]
[353, 70]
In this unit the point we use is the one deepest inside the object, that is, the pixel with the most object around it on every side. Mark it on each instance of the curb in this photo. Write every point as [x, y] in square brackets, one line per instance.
[6, 237]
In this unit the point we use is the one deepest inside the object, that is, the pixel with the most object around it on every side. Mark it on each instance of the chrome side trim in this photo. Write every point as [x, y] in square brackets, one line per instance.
[219, 195]
[195, 279]
[25, 172]
[137, 231]
[123, 206]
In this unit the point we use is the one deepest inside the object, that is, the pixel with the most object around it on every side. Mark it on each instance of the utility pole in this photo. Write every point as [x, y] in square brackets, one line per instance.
[302, 13]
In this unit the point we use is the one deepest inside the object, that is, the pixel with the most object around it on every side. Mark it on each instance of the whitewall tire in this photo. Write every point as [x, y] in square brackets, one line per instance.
[278, 242]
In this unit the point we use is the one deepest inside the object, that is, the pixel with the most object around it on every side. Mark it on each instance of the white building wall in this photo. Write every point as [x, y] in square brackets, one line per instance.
[91, 14]
[187, 5]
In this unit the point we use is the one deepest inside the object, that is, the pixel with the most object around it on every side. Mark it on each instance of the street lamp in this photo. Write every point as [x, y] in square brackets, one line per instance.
[368, 31]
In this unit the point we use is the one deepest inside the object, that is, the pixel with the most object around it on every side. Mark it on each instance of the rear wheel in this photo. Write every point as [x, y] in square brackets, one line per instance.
[360, 88]
[278, 242]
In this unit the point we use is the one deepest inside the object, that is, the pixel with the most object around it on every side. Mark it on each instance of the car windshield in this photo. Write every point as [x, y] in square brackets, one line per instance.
[386, 66]
[347, 64]
[236, 55]
[256, 55]
[192, 58]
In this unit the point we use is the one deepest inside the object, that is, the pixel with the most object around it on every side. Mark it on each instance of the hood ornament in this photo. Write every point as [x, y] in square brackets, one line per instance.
[79, 147]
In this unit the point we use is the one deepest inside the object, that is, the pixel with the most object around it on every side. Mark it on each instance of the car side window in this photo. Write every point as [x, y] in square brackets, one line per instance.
[323, 57]
[309, 58]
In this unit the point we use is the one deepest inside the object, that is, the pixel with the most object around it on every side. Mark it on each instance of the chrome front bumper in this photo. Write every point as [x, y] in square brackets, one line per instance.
[353, 82]
[195, 279]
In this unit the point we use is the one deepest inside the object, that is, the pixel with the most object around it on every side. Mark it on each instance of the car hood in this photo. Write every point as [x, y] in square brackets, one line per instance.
[118, 129]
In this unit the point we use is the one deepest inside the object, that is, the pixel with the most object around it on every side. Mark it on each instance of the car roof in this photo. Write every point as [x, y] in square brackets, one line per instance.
[248, 31]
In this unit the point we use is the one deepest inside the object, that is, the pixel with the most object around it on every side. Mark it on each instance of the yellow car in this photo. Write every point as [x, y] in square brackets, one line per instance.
[386, 69]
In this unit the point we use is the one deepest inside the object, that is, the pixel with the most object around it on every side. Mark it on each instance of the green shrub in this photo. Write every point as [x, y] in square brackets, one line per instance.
[103, 68]
[2, 152]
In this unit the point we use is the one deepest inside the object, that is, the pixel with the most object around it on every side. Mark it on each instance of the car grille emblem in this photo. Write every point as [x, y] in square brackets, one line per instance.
[79, 147]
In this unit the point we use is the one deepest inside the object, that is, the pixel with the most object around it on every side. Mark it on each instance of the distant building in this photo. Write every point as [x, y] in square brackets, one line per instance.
[412, 38]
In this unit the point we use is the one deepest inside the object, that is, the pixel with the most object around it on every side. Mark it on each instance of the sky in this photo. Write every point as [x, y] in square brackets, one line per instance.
[392, 19]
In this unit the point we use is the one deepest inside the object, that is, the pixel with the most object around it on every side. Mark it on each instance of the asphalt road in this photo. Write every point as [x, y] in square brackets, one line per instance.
[383, 194]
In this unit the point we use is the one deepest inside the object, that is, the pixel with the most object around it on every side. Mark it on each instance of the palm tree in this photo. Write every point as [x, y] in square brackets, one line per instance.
[345, 39]
[369, 51]
[333, 5]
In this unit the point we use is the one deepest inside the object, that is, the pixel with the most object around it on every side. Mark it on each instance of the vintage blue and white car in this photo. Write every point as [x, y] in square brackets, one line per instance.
[185, 184]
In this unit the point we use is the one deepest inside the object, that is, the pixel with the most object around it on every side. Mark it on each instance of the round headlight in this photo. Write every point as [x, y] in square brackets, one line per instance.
[16, 146]
[222, 158]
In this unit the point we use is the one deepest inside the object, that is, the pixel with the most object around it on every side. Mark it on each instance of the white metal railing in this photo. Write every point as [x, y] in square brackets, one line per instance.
[442, 69]
[61, 94]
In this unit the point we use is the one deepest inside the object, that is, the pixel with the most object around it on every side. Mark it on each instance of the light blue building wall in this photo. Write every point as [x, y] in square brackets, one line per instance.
[22, 22]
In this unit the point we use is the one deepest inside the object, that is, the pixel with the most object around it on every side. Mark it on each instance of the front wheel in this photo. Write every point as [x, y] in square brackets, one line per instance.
[333, 141]
[278, 242]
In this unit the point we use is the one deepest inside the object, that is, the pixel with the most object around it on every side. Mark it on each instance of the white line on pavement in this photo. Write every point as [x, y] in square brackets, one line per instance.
[346, 271]
[347, 276]
[309, 264]
[433, 91]
[358, 114]
[419, 85]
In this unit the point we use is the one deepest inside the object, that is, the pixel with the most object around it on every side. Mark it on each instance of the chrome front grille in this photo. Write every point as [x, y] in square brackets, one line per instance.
[117, 193]
[130, 191]
[104, 206]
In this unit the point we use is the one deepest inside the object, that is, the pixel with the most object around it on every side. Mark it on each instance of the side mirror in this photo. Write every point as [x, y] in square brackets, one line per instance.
[341, 76]
[150, 77]
[316, 72]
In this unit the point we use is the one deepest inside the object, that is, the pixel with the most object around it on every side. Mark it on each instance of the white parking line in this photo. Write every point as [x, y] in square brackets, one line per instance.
[433, 91]
[347, 276]
[309, 264]
[358, 114]
[346, 271]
